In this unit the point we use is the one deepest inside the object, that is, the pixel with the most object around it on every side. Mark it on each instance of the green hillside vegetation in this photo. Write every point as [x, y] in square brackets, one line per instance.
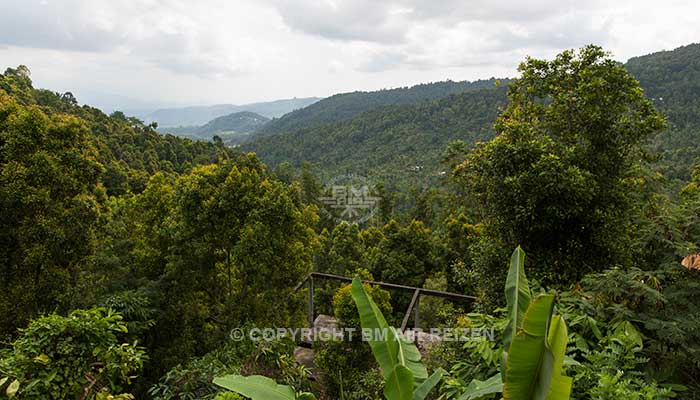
[242, 122]
[231, 128]
[345, 106]
[128, 150]
[136, 265]
[406, 142]
[671, 79]
[394, 144]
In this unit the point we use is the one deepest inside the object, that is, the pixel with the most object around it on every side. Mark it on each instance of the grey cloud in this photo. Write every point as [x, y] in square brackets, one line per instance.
[383, 61]
[159, 32]
[491, 10]
[359, 20]
[388, 22]
[53, 25]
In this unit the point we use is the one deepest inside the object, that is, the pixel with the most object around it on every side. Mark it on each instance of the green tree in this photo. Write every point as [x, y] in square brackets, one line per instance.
[556, 179]
[405, 254]
[48, 174]
[241, 241]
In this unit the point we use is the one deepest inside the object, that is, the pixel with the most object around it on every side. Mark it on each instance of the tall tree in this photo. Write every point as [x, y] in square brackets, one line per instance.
[48, 174]
[556, 178]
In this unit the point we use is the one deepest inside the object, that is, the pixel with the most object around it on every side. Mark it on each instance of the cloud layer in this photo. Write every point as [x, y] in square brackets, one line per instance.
[178, 51]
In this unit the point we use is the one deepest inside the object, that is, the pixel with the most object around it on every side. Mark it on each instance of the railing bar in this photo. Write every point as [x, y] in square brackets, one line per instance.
[429, 292]
[404, 324]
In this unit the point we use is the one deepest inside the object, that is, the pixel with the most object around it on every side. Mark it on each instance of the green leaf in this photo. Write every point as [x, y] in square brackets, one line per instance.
[306, 396]
[517, 296]
[399, 384]
[478, 389]
[409, 356]
[42, 358]
[255, 387]
[3, 380]
[12, 389]
[385, 351]
[527, 352]
[422, 391]
[557, 338]
[533, 370]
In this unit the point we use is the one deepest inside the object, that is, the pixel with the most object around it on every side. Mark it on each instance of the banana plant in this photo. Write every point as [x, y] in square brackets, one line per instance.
[535, 344]
[257, 387]
[405, 376]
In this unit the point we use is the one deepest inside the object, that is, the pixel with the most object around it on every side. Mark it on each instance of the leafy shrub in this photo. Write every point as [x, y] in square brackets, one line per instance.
[345, 364]
[477, 358]
[135, 308]
[194, 380]
[615, 371]
[345, 309]
[82, 354]
[275, 359]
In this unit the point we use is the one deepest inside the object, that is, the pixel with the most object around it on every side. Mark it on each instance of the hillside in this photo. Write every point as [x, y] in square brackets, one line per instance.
[231, 127]
[136, 265]
[200, 115]
[672, 80]
[345, 106]
[241, 122]
[129, 151]
[390, 142]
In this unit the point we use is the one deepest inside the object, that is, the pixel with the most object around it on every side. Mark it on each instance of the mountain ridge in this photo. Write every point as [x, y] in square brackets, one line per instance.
[387, 140]
[200, 115]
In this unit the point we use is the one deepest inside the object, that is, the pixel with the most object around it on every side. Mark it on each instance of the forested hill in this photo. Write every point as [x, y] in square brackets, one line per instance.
[200, 115]
[345, 106]
[392, 142]
[240, 122]
[127, 150]
[229, 127]
[407, 141]
[672, 80]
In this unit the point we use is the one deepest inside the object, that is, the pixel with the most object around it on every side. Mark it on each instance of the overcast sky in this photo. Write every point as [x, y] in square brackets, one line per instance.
[147, 53]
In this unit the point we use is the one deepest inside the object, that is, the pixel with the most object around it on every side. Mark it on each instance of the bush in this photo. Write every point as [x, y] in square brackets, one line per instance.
[345, 364]
[194, 379]
[82, 354]
[345, 309]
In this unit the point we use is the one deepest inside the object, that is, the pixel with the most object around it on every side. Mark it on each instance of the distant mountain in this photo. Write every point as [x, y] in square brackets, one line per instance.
[396, 143]
[405, 141]
[200, 115]
[240, 122]
[345, 106]
[232, 127]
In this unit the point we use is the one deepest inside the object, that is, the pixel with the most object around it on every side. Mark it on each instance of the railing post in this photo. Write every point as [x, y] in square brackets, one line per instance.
[311, 301]
[415, 316]
[414, 300]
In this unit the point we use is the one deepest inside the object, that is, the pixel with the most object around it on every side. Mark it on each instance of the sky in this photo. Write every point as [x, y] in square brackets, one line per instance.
[146, 54]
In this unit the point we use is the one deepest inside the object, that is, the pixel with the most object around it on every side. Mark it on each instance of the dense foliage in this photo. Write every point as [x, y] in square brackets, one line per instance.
[345, 106]
[671, 79]
[78, 356]
[390, 142]
[129, 259]
[393, 144]
[556, 177]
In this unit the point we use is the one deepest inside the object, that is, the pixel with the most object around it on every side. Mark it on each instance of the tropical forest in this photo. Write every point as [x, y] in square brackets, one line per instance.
[531, 236]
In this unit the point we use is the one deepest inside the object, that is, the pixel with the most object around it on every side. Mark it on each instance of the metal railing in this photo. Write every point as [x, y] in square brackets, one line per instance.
[415, 300]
